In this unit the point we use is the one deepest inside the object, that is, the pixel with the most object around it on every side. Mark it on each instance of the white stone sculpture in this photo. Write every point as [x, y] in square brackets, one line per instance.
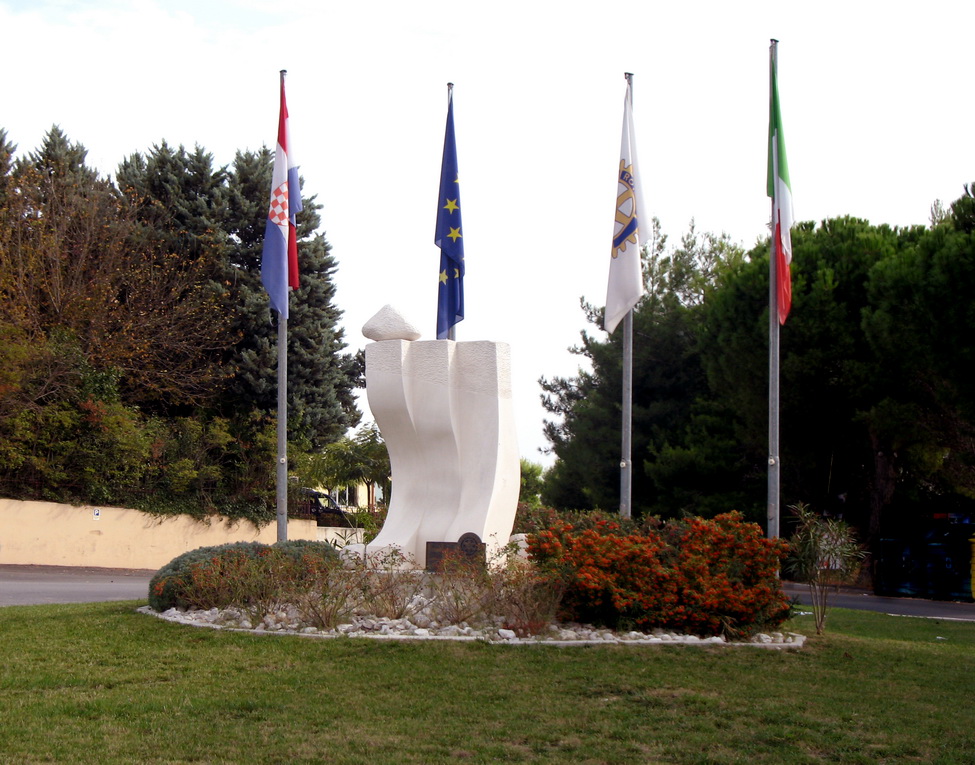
[445, 411]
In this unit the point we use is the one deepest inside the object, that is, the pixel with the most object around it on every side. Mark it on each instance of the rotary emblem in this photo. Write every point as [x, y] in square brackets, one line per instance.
[627, 224]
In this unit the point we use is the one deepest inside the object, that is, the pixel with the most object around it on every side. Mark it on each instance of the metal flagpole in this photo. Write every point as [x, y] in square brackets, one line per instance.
[281, 482]
[281, 475]
[774, 466]
[626, 466]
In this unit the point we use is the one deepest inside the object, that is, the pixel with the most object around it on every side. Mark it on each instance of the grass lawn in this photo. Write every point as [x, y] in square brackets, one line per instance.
[101, 683]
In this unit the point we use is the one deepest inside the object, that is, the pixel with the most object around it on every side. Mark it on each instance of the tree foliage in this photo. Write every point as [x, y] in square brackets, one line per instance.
[321, 379]
[135, 337]
[201, 209]
[72, 261]
[532, 481]
[877, 408]
[668, 378]
[360, 458]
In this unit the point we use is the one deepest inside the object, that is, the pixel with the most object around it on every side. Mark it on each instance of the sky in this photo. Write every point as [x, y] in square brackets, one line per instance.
[876, 99]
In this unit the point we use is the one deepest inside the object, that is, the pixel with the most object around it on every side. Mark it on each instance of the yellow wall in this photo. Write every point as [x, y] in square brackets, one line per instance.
[49, 534]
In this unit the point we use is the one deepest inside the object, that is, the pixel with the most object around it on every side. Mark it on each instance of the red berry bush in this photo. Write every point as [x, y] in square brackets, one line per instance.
[705, 577]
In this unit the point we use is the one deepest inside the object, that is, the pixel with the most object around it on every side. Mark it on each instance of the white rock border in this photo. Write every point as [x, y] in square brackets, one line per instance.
[381, 628]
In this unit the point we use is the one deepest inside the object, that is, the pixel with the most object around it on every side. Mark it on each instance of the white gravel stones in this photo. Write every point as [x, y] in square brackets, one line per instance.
[286, 621]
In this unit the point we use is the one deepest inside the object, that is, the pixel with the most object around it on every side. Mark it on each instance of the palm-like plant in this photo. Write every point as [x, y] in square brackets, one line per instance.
[825, 554]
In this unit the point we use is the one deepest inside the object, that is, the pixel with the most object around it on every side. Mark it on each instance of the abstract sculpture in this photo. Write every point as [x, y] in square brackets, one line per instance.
[445, 412]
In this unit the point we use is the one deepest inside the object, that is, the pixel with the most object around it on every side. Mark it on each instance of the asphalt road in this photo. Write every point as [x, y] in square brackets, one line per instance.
[33, 585]
[864, 601]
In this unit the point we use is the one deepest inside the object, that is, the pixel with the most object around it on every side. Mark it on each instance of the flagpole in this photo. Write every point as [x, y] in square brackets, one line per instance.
[281, 474]
[626, 466]
[281, 479]
[774, 465]
[626, 281]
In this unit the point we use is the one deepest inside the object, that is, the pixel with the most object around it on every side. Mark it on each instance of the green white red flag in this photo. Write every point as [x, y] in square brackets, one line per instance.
[780, 190]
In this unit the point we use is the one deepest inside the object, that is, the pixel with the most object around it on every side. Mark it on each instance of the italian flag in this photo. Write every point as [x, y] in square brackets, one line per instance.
[780, 190]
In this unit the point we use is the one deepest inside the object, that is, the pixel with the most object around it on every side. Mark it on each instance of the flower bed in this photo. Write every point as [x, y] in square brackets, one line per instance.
[700, 577]
[707, 577]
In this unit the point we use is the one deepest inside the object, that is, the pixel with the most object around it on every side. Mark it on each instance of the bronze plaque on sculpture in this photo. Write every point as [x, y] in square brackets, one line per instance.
[468, 548]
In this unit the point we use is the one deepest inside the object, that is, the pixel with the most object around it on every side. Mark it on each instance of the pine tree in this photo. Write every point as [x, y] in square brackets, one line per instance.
[181, 199]
[133, 320]
[668, 380]
[199, 210]
[321, 379]
[7, 150]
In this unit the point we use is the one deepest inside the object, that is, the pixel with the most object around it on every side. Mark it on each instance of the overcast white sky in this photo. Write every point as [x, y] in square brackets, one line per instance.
[877, 105]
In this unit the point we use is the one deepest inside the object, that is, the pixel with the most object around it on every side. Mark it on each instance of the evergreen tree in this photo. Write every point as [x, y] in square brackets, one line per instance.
[826, 369]
[918, 324]
[667, 380]
[138, 347]
[181, 199]
[876, 422]
[62, 163]
[96, 325]
[198, 210]
[7, 150]
[321, 379]
[73, 262]
[963, 210]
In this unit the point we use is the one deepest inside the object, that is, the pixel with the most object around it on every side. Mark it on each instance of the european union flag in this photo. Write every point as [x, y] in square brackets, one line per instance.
[449, 237]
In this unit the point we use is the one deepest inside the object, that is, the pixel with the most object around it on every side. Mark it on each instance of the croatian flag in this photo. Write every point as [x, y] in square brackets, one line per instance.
[279, 264]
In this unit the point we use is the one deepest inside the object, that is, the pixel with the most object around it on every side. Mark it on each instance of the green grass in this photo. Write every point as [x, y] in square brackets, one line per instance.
[101, 683]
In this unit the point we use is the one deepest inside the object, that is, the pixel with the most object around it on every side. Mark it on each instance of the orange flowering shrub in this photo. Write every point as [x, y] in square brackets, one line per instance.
[727, 574]
[699, 576]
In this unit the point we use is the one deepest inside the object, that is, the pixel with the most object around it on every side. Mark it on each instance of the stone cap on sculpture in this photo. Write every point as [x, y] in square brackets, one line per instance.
[389, 324]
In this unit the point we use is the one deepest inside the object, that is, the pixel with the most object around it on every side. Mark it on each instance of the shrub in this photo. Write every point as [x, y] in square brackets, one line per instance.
[242, 573]
[331, 596]
[707, 577]
[461, 591]
[391, 583]
[531, 520]
[524, 598]
[726, 573]
[255, 584]
[308, 550]
[164, 584]
[824, 555]
[608, 576]
[710, 577]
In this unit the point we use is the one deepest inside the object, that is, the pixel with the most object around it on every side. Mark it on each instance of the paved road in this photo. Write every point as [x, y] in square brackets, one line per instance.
[32, 585]
[864, 601]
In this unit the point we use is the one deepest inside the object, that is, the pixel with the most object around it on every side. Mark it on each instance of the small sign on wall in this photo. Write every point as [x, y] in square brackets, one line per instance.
[96, 514]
